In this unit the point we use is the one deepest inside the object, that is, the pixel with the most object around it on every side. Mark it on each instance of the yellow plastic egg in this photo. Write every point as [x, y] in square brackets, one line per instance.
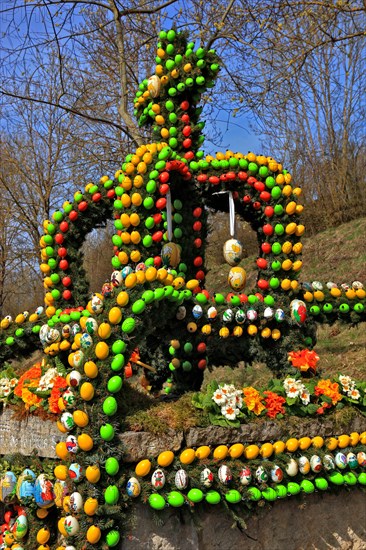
[115, 315]
[85, 442]
[165, 458]
[60, 472]
[104, 331]
[221, 452]
[143, 468]
[192, 284]
[135, 256]
[266, 450]
[81, 419]
[286, 284]
[332, 443]
[135, 237]
[319, 296]
[135, 219]
[123, 298]
[304, 443]
[61, 450]
[251, 452]
[102, 350]
[291, 208]
[237, 331]
[266, 332]
[354, 438]
[297, 265]
[91, 369]
[300, 230]
[43, 535]
[151, 274]
[236, 450]
[90, 506]
[363, 438]
[252, 330]
[61, 527]
[206, 329]
[92, 473]
[87, 391]
[335, 292]
[276, 334]
[343, 441]
[224, 332]
[317, 442]
[126, 200]
[131, 280]
[290, 228]
[286, 247]
[93, 534]
[187, 456]
[287, 190]
[279, 447]
[292, 444]
[203, 452]
[308, 296]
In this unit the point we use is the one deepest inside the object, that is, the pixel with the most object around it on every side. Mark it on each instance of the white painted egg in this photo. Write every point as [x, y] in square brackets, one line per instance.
[279, 315]
[268, 313]
[76, 471]
[141, 266]
[69, 398]
[71, 526]
[126, 271]
[225, 475]
[292, 468]
[86, 341]
[352, 460]
[345, 286]
[75, 329]
[207, 477]
[252, 314]
[298, 311]
[91, 326]
[43, 492]
[75, 502]
[181, 479]
[331, 285]
[304, 465]
[276, 474]
[72, 444]
[78, 358]
[361, 459]
[228, 315]
[316, 463]
[245, 476]
[158, 479]
[240, 316]
[328, 462]
[154, 85]
[357, 285]
[233, 251]
[237, 278]
[75, 376]
[317, 285]
[340, 460]
[133, 487]
[39, 310]
[67, 420]
[261, 474]
[116, 278]
[97, 304]
[212, 313]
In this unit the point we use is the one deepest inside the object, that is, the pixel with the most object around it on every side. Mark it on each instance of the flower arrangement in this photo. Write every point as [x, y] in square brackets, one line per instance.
[305, 360]
[40, 387]
[226, 405]
[8, 382]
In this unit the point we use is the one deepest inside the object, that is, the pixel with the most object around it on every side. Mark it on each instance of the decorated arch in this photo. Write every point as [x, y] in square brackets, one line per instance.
[156, 312]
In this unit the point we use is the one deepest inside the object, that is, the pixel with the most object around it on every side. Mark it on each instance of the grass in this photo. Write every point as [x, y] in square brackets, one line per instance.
[332, 255]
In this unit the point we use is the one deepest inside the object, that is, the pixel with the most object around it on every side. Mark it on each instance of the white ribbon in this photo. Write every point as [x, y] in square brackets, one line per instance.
[231, 211]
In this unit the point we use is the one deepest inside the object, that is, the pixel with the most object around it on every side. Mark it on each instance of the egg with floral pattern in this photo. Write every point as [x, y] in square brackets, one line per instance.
[304, 465]
[361, 459]
[328, 462]
[352, 460]
[133, 488]
[276, 474]
[245, 476]
[316, 463]
[340, 460]
[207, 478]
[261, 475]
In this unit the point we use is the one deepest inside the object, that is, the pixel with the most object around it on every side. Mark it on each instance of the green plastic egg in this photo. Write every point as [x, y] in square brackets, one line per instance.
[269, 494]
[336, 478]
[321, 483]
[276, 248]
[159, 294]
[195, 495]
[106, 432]
[138, 307]
[119, 346]
[233, 496]
[219, 298]
[281, 491]
[148, 296]
[279, 229]
[115, 384]
[269, 300]
[110, 406]
[362, 478]
[350, 478]
[307, 486]
[213, 497]
[111, 495]
[111, 466]
[276, 193]
[175, 499]
[254, 493]
[157, 502]
[128, 325]
[201, 298]
[112, 538]
[118, 362]
[293, 488]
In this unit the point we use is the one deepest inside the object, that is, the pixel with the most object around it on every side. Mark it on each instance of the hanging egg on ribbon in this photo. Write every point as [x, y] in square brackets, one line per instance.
[233, 252]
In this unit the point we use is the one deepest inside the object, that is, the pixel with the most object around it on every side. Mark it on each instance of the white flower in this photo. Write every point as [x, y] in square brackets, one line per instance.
[305, 396]
[345, 380]
[229, 412]
[6, 392]
[354, 394]
[219, 397]
[288, 382]
[13, 382]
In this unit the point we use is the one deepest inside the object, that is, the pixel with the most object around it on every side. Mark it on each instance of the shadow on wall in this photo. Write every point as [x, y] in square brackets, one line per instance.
[315, 522]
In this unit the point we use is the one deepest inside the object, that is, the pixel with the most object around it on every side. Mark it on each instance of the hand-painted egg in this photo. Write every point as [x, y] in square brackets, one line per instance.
[75, 329]
[20, 527]
[154, 85]
[276, 474]
[197, 311]
[352, 460]
[328, 462]
[292, 468]
[7, 486]
[75, 502]
[91, 326]
[71, 526]
[316, 463]
[116, 278]
[298, 311]
[207, 478]
[158, 479]
[76, 472]
[107, 289]
[25, 484]
[252, 314]
[240, 316]
[86, 341]
[72, 444]
[75, 377]
[261, 475]
[345, 287]
[65, 332]
[43, 333]
[60, 491]
[141, 266]
[268, 313]
[225, 475]
[317, 285]
[79, 357]
[170, 254]
[304, 465]
[127, 270]
[233, 251]
[69, 398]
[245, 476]
[39, 310]
[237, 278]
[133, 487]
[97, 304]
[181, 479]
[181, 313]
[228, 315]
[67, 420]
[331, 285]
[340, 460]
[211, 313]
[361, 459]
[43, 492]
[357, 285]
[279, 315]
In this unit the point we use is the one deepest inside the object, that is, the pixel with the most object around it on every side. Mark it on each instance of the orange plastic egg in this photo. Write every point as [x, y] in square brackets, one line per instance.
[221, 452]
[251, 452]
[317, 442]
[292, 444]
[236, 450]
[187, 456]
[165, 458]
[203, 452]
[143, 468]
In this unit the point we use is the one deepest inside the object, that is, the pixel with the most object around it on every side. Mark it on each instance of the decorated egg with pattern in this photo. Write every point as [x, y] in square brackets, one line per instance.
[91, 326]
[197, 311]
[68, 398]
[304, 465]
[237, 278]
[361, 459]
[268, 313]
[75, 329]
[328, 462]
[7, 486]
[76, 471]
[352, 460]
[261, 475]
[181, 479]
[357, 285]
[252, 314]
[133, 488]
[233, 251]
[245, 476]
[97, 304]
[65, 332]
[207, 477]
[158, 479]
[211, 313]
[20, 527]
[72, 444]
[154, 85]
[340, 460]
[240, 316]
[75, 502]
[107, 290]
[317, 285]
[78, 356]
[292, 468]
[67, 420]
[228, 315]
[116, 278]
[25, 484]
[276, 474]
[316, 463]
[181, 313]
[298, 311]
[60, 491]
[86, 341]
[225, 475]
[43, 492]
[279, 315]
[75, 376]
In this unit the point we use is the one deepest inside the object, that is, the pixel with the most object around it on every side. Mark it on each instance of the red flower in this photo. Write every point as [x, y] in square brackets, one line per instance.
[274, 404]
[303, 359]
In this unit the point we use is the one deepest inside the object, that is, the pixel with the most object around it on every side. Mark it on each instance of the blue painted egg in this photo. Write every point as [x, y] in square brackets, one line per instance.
[7, 486]
[25, 484]
[133, 488]
[126, 271]
[279, 315]
[197, 311]
[76, 471]
[43, 492]
[86, 341]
